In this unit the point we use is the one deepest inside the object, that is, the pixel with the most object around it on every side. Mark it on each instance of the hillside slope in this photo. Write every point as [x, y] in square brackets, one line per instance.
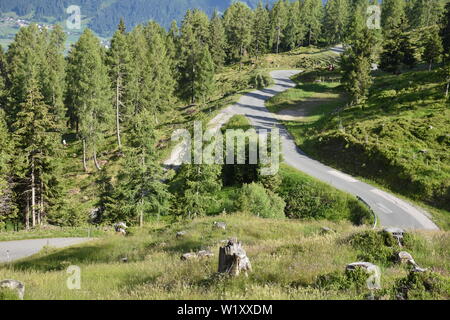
[312, 263]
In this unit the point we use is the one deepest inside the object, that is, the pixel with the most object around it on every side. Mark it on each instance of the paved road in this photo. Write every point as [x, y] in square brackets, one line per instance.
[390, 210]
[15, 250]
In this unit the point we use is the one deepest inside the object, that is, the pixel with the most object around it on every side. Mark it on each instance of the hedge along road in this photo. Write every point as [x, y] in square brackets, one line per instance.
[390, 210]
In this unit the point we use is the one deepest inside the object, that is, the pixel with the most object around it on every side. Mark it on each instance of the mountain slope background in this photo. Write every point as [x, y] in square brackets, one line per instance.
[102, 16]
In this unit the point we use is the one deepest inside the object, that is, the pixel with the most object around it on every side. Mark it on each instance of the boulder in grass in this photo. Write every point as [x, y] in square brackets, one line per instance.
[181, 234]
[14, 285]
[326, 230]
[189, 256]
[205, 254]
[404, 257]
[220, 225]
[121, 227]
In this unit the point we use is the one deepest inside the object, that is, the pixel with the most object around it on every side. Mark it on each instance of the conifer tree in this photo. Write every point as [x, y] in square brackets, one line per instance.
[294, 31]
[433, 46]
[261, 27]
[445, 30]
[311, 17]
[426, 13]
[217, 39]
[238, 28]
[200, 182]
[336, 19]
[89, 93]
[119, 64]
[279, 18]
[140, 190]
[356, 61]
[392, 14]
[37, 143]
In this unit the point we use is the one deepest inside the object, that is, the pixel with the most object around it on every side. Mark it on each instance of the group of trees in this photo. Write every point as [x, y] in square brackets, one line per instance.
[124, 90]
[411, 31]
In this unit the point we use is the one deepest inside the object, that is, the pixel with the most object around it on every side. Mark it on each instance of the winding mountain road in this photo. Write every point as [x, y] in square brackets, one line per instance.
[390, 210]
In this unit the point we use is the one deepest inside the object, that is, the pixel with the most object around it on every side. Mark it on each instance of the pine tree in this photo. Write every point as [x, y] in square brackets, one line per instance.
[398, 49]
[445, 30]
[311, 17]
[238, 28]
[336, 19]
[89, 93]
[204, 80]
[37, 143]
[294, 31]
[140, 190]
[200, 183]
[392, 14]
[261, 27]
[217, 40]
[279, 18]
[356, 61]
[193, 41]
[426, 13]
[433, 46]
[119, 60]
[7, 206]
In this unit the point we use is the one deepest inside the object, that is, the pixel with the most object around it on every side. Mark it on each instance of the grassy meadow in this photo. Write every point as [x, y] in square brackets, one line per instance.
[291, 260]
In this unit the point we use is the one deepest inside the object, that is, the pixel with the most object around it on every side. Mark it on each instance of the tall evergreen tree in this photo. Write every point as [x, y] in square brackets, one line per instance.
[217, 40]
[140, 190]
[356, 61]
[294, 31]
[426, 13]
[279, 18]
[261, 27]
[445, 30]
[119, 62]
[238, 28]
[311, 16]
[89, 93]
[336, 19]
[433, 46]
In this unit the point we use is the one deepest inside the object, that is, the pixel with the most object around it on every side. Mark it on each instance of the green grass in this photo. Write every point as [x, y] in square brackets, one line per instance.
[53, 232]
[398, 140]
[155, 271]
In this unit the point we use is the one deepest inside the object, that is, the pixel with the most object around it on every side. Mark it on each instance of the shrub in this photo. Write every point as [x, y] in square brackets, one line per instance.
[422, 286]
[354, 279]
[378, 246]
[260, 80]
[255, 199]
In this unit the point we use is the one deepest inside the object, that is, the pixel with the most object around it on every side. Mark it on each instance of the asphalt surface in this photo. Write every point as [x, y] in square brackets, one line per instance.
[15, 250]
[389, 209]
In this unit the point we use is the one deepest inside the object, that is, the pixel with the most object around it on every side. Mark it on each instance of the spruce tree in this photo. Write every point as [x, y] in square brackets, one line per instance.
[433, 47]
[217, 40]
[89, 93]
[119, 60]
[445, 30]
[336, 19]
[37, 142]
[294, 31]
[140, 190]
[200, 183]
[392, 14]
[279, 18]
[261, 27]
[311, 17]
[356, 61]
[238, 28]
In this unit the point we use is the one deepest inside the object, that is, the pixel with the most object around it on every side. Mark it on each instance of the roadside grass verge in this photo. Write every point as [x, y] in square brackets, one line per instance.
[155, 270]
[54, 232]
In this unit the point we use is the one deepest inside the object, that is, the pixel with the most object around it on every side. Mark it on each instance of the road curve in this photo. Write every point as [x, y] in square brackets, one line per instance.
[390, 210]
[15, 250]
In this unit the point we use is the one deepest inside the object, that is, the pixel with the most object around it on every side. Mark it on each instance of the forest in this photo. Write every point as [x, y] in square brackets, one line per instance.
[68, 113]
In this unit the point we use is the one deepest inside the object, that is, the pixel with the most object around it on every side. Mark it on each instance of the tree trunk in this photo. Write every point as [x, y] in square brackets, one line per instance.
[33, 194]
[95, 160]
[119, 142]
[84, 156]
[41, 206]
[233, 259]
[27, 214]
[446, 90]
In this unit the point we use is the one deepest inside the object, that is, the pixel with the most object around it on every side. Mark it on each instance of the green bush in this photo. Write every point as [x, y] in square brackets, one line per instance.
[422, 286]
[307, 198]
[356, 279]
[260, 80]
[255, 199]
[378, 247]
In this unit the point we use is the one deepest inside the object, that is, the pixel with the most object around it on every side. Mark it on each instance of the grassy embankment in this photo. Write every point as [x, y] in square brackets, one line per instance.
[312, 263]
[399, 140]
